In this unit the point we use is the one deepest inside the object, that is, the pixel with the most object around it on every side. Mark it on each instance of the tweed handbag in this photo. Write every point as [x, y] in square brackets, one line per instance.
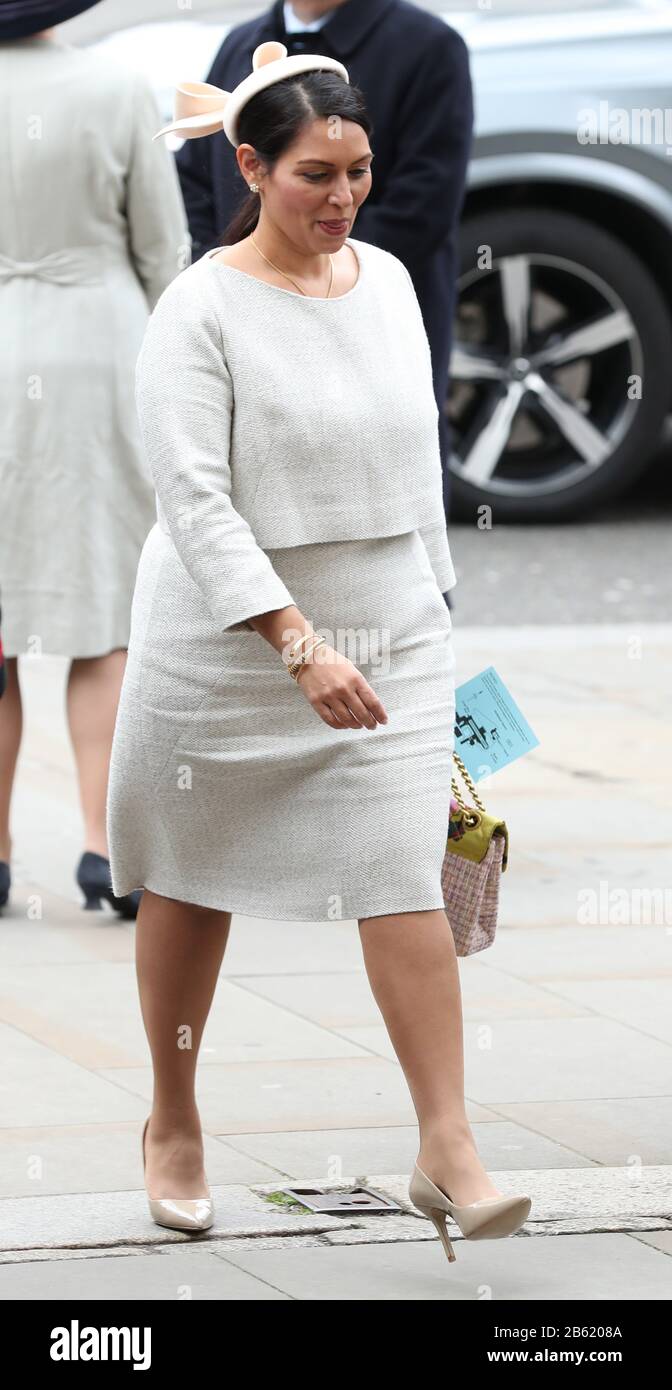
[477, 851]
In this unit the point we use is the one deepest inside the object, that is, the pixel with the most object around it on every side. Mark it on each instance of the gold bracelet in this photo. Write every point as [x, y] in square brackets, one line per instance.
[309, 637]
[298, 665]
[291, 654]
[302, 659]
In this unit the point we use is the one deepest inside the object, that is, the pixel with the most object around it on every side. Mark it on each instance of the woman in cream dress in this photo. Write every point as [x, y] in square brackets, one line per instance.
[92, 230]
[287, 408]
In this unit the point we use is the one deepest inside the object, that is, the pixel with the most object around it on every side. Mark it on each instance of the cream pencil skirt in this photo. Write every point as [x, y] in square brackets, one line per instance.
[227, 790]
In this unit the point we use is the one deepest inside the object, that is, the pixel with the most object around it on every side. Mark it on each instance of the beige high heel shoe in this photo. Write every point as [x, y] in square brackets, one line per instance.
[485, 1219]
[180, 1213]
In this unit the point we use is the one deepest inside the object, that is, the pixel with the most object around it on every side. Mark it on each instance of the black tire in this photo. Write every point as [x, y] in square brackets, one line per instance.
[546, 232]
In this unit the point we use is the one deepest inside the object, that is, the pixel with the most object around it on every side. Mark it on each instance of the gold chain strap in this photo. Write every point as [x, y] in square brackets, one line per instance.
[472, 789]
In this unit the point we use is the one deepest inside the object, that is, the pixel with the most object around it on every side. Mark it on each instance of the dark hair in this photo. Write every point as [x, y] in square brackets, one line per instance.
[277, 115]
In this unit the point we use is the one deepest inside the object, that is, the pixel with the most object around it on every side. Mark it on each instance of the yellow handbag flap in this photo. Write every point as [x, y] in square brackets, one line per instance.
[475, 842]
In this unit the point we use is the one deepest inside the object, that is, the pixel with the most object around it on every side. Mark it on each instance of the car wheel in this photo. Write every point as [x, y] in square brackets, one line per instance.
[559, 370]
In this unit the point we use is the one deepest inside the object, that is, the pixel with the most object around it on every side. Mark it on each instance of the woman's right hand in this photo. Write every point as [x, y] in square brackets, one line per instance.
[338, 692]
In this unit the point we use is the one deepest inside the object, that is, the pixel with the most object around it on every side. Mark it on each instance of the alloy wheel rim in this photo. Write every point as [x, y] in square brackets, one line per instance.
[545, 353]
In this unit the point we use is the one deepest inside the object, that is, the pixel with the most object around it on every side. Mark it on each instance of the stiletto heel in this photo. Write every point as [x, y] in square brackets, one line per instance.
[439, 1219]
[180, 1213]
[487, 1219]
[93, 877]
[93, 902]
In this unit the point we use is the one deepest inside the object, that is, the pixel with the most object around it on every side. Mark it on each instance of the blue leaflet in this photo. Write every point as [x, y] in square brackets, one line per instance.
[490, 730]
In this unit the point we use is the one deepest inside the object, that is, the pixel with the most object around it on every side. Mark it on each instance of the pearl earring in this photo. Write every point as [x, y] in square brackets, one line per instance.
[254, 188]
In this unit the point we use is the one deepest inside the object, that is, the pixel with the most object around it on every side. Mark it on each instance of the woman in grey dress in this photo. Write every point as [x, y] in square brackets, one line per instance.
[92, 230]
[292, 436]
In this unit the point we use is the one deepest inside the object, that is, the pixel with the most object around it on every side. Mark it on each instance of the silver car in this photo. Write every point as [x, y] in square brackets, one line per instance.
[563, 342]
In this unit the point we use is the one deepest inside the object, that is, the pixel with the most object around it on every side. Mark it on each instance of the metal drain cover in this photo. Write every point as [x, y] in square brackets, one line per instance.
[364, 1199]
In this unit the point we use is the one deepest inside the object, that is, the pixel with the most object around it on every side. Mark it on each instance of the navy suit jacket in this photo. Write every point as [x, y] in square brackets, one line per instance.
[413, 70]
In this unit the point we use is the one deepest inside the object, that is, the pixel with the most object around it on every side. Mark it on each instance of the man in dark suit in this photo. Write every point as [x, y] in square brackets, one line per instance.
[414, 73]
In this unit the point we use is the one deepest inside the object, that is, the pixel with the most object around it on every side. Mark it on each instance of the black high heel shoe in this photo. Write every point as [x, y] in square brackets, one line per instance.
[5, 882]
[93, 877]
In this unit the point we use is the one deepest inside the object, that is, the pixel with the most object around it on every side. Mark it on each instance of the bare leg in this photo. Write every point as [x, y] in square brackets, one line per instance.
[412, 968]
[11, 729]
[178, 951]
[94, 683]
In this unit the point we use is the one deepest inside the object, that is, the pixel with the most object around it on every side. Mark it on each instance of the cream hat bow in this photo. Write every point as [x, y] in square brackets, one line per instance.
[202, 109]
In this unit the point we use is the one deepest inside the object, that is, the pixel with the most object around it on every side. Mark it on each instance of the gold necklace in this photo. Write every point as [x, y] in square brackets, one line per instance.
[288, 277]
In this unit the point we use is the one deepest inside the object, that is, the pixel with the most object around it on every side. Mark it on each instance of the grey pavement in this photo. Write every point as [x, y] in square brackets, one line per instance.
[568, 1038]
[613, 569]
[613, 566]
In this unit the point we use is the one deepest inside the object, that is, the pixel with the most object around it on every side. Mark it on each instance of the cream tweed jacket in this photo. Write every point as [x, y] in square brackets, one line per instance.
[273, 419]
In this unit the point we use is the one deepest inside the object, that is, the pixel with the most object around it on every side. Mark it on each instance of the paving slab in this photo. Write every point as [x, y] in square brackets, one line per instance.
[182, 1276]
[55, 1160]
[330, 1154]
[595, 1268]
[623, 1129]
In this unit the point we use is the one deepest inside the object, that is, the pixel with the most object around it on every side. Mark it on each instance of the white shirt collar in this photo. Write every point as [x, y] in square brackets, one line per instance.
[294, 25]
